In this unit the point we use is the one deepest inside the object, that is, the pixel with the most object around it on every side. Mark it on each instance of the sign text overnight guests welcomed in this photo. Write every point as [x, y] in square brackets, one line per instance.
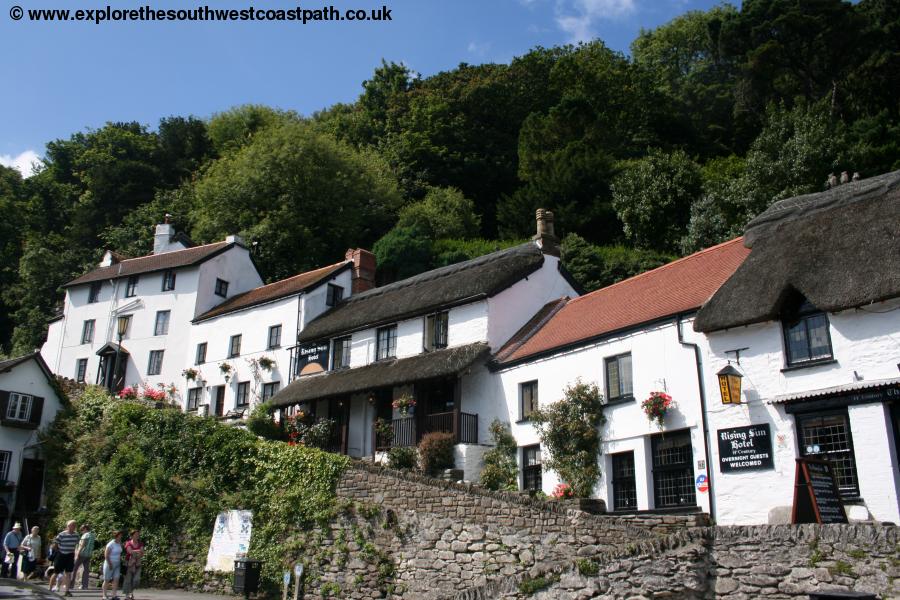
[745, 448]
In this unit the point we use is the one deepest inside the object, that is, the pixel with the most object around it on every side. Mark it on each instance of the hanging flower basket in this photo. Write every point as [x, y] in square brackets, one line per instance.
[656, 406]
[190, 374]
[265, 363]
[404, 403]
[225, 368]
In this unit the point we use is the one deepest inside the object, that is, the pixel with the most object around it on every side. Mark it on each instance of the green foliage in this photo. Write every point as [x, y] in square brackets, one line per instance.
[570, 431]
[842, 568]
[500, 470]
[586, 567]
[594, 267]
[403, 252]
[443, 213]
[402, 459]
[262, 424]
[531, 585]
[436, 452]
[235, 128]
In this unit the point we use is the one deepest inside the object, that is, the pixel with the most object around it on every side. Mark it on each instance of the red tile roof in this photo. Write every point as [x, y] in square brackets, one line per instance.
[680, 286]
[274, 291]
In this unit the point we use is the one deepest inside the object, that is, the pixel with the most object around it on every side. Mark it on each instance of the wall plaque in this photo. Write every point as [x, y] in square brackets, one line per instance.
[745, 448]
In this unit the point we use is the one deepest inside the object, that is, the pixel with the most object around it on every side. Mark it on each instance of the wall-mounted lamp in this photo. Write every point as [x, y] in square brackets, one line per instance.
[730, 384]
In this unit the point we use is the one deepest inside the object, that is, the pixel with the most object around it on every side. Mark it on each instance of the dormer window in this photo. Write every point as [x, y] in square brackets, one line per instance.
[333, 294]
[94, 293]
[436, 330]
[806, 336]
[221, 288]
[168, 282]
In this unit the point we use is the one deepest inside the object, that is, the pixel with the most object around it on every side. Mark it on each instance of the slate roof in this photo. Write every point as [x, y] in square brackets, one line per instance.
[839, 249]
[8, 365]
[429, 365]
[275, 291]
[463, 282]
[677, 287]
[153, 262]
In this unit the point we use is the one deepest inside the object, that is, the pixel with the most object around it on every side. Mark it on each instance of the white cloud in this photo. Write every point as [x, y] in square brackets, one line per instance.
[23, 162]
[578, 17]
[478, 48]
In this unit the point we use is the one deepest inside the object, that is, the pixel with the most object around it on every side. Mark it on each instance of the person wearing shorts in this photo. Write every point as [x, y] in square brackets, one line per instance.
[64, 563]
[112, 565]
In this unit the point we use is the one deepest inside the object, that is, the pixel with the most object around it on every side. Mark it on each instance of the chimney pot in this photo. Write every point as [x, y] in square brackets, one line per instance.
[546, 234]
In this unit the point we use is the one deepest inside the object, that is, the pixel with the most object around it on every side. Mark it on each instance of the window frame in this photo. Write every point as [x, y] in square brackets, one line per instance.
[687, 482]
[523, 386]
[198, 355]
[620, 396]
[15, 407]
[334, 293]
[193, 398]
[81, 376]
[221, 288]
[94, 292]
[232, 351]
[131, 286]
[242, 395]
[803, 315]
[150, 362]
[168, 280]
[5, 463]
[437, 330]
[623, 483]
[345, 343]
[532, 473]
[165, 315]
[277, 344]
[270, 389]
[389, 334]
[87, 331]
[845, 492]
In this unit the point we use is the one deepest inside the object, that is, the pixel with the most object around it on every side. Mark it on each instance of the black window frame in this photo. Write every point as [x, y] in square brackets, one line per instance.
[232, 351]
[87, 331]
[437, 330]
[242, 394]
[270, 389]
[624, 481]
[341, 349]
[94, 292]
[221, 288]
[532, 474]
[683, 470]
[81, 366]
[5, 464]
[276, 330]
[193, 398]
[528, 389]
[200, 353]
[164, 330]
[621, 395]
[388, 349]
[131, 286]
[846, 491]
[333, 294]
[803, 315]
[168, 280]
[158, 364]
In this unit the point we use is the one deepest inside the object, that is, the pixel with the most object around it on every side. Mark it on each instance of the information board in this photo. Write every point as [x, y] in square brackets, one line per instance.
[312, 358]
[745, 448]
[230, 539]
[816, 496]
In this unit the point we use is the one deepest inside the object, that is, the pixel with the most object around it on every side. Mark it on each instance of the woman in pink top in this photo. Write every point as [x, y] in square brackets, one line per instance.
[134, 553]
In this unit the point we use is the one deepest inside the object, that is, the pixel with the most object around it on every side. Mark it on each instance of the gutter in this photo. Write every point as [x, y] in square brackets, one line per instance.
[701, 388]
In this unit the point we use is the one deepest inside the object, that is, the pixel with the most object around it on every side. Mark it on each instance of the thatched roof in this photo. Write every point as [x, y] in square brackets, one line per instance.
[839, 249]
[440, 363]
[463, 282]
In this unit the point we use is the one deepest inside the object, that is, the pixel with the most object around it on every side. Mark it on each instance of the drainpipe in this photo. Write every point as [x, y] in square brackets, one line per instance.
[698, 361]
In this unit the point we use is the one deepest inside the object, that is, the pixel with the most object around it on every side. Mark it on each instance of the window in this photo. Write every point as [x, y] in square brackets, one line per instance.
[243, 394]
[154, 366]
[87, 332]
[274, 337]
[531, 468]
[618, 378]
[673, 469]
[122, 325]
[806, 336]
[19, 407]
[340, 353]
[827, 436]
[131, 286]
[234, 346]
[162, 322]
[528, 399]
[269, 390]
[436, 331]
[94, 293]
[200, 356]
[81, 370]
[624, 490]
[386, 342]
[221, 288]
[5, 460]
[193, 399]
[168, 282]
[333, 294]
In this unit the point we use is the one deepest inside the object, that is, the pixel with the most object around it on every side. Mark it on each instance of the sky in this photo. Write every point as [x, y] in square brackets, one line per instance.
[65, 77]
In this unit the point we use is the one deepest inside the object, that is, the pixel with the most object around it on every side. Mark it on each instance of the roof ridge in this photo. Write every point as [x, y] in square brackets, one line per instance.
[659, 268]
[170, 252]
[265, 285]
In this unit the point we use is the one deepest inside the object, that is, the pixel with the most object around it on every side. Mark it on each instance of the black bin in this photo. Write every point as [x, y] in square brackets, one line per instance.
[838, 595]
[246, 576]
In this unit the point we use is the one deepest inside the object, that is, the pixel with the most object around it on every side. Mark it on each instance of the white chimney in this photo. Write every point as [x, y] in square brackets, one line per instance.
[235, 239]
[164, 233]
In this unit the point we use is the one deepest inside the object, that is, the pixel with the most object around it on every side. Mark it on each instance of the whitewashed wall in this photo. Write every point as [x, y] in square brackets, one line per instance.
[233, 266]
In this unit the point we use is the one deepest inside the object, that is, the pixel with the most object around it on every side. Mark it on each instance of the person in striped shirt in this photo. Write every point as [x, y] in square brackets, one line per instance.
[64, 563]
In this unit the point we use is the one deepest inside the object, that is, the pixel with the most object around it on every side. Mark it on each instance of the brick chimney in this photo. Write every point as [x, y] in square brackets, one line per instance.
[363, 269]
[546, 235]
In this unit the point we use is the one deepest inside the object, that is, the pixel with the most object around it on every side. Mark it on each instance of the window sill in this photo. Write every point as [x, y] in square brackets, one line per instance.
[809, 364]
[17, 424]
[619, 400]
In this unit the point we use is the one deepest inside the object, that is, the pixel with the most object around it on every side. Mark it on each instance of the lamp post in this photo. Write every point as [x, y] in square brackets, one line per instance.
[121, 327]
[730, 384]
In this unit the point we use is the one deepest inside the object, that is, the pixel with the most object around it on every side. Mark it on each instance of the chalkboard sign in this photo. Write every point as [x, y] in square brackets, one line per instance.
[816, 496]
[312, 358]
[745, 448]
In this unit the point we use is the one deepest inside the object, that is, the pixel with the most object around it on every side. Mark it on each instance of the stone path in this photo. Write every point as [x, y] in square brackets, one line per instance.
[150, 594]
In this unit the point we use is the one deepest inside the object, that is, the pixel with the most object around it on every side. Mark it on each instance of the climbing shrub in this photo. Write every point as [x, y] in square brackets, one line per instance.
[500, 471]
[569, 431]
[436, 452]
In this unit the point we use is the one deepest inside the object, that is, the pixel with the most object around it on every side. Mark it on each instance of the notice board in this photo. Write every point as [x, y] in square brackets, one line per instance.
[231, 537]
[745, 448]
[816, 496]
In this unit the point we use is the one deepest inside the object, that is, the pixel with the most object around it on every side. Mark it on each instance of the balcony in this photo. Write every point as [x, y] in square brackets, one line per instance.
[408, 431]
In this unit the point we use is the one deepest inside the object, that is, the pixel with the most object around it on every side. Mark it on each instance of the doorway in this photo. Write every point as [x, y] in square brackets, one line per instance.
[219, 402]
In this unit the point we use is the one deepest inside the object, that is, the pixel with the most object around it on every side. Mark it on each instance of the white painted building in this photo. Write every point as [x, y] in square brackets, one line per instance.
[28, 402]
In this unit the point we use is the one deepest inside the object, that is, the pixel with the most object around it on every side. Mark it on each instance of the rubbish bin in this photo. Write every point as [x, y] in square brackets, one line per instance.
[839, 595]
[246, 576]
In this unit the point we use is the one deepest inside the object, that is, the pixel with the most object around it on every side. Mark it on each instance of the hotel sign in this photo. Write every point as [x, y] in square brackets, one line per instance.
[745, 448]
[311, 358]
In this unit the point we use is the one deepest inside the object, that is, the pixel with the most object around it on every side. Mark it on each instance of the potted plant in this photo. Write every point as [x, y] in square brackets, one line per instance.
[190, 374]
[404, 403]
[225, 368]
[266, 363]
[656, 405]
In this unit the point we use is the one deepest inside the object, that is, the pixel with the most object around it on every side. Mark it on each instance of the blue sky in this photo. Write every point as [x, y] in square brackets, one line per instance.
[65, 77]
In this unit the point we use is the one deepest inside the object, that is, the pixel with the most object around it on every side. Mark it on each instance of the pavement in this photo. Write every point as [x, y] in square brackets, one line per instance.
[94, 593]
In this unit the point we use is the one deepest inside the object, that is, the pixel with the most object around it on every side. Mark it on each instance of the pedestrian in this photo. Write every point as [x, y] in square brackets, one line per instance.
[11, 544]
[50, 573]
[67, 539]
[112, 563]
[83, 555]
[31, 549]
[134, 554]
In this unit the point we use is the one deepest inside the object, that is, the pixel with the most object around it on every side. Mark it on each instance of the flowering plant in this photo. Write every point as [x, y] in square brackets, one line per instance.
[190, 374]
[266, 363]
[656, 405]
[154, 395]
[129, 393]
[404, 403]
[562, 491]
[303, 432]
[384, 431]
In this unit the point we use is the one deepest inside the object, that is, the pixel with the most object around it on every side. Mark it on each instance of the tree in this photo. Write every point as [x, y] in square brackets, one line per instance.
[402, 252]
[11, 199]
[595, 267]
[443, 213]
[500, 470]
[235, 128]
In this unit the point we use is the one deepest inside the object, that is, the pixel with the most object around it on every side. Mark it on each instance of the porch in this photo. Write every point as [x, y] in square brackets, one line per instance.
[408, 431]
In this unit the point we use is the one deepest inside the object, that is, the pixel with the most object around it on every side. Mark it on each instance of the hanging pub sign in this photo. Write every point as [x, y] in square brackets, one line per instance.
[745, 448]
[816, 496]
[311, 358]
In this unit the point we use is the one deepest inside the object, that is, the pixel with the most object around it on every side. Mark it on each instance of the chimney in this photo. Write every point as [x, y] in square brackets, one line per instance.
[164, 233]
[363, 269]
[546, 235]
[235, 239]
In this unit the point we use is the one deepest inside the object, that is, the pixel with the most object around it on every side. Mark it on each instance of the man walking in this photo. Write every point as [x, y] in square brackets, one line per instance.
[11, 544]
[83, 556]
[64, 563]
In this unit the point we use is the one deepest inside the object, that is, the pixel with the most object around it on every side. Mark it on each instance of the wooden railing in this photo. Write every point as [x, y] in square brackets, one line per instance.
[463, 426]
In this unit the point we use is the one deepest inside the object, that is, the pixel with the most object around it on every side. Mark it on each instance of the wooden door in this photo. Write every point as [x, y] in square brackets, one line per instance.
[219, 406]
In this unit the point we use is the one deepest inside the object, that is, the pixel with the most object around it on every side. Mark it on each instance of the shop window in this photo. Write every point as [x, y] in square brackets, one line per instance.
[623, 482]
[673, 469]
[531, 468]
[827, 437]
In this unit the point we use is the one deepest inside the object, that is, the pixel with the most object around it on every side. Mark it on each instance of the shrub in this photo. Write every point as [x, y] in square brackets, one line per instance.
[402, 459]
[263, 425]
[436, 452]
[500, 471]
